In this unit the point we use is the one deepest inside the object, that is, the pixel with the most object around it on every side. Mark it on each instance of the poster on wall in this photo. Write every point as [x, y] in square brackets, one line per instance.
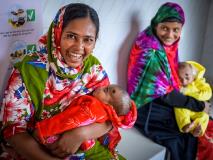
[21, 26]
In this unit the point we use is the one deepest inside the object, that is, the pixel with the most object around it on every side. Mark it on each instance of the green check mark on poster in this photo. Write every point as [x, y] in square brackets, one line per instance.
[30, 14]
[31, 48]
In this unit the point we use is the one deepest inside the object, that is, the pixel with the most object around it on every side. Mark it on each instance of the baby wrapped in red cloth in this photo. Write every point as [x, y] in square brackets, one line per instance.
[109, 103]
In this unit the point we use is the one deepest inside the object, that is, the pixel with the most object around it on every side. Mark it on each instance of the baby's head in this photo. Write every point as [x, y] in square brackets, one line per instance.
[115, 96]
[186, 73]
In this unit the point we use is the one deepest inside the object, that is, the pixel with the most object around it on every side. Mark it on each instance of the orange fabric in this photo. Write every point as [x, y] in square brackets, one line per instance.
[82, 111]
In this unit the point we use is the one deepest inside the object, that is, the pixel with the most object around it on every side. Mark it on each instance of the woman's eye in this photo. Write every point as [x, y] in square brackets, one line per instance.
[164, 28]
[71, 36]
[176, 30]
[88, 40]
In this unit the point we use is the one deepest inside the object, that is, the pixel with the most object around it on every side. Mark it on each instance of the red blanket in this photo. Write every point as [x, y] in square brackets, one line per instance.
[82, 111]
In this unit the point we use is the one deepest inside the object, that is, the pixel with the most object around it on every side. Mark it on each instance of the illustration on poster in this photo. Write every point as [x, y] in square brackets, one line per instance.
[17, 51]
[18, 16]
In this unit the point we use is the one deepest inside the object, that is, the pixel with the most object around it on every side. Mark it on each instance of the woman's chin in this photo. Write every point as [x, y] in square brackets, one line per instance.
[74, 64]
[168, 43]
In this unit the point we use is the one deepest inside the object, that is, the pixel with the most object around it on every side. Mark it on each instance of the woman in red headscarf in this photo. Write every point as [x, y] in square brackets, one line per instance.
[45, 83]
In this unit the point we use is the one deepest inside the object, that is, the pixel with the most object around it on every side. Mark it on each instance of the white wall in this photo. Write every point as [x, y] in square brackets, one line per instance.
[207, 57]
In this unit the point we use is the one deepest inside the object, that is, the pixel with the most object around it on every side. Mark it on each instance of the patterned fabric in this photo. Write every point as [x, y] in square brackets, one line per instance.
[43, 85]
[152, 66]
[82, 111]
[99, 152]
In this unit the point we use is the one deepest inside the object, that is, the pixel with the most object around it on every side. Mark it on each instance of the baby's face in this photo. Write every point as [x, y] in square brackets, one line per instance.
[186, 76]
[108, 94]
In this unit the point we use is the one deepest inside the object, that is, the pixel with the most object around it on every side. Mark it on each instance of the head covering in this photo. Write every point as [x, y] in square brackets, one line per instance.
[152, 66]
[167, 11]
[50, 44]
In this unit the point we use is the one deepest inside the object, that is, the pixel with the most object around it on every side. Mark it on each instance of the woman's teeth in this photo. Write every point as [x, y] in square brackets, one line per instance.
[73, 55]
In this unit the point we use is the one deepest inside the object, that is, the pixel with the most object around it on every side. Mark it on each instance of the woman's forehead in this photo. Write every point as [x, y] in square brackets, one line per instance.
[171, 24]
[81, 27]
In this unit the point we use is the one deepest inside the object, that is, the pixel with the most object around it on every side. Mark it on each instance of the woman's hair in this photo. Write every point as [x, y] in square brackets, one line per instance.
[78, 10]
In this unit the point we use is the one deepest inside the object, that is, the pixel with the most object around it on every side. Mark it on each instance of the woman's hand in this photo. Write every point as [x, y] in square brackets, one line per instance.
[71, 140]
[68, 143]
[25, 145]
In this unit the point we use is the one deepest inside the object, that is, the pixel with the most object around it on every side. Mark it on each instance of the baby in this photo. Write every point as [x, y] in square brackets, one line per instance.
[194, 85]
[106, 103]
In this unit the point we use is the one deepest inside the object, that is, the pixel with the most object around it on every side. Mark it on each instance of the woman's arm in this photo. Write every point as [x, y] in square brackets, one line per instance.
[16, 110]
[28, 148]
[71, 140]
[178, 100]
[82, 111]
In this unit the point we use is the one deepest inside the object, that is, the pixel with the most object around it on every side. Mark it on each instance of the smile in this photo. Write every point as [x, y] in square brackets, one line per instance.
[74, 56]
[168, 39]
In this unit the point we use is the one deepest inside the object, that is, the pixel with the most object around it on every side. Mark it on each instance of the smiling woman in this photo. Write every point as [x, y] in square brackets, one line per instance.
[153, 83]
[43, 84]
